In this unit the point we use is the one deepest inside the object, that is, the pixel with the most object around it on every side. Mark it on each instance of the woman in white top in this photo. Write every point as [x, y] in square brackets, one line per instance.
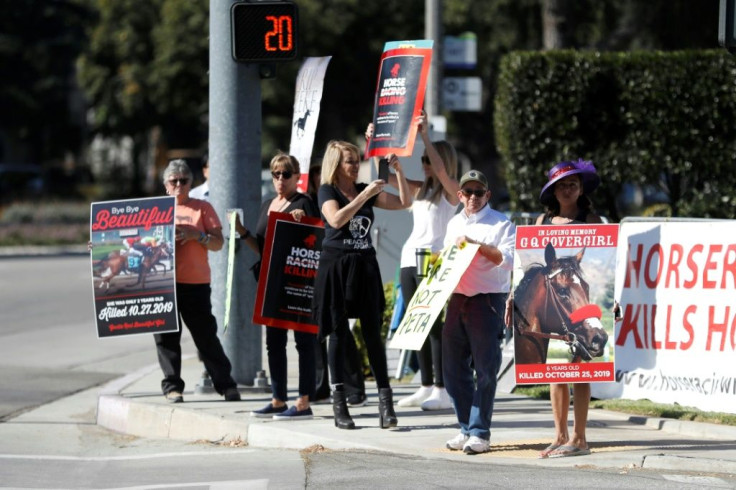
[435, 202]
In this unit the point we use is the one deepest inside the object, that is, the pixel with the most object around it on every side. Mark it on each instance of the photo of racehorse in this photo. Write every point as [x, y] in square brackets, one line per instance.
[552, 302]
[562, 300]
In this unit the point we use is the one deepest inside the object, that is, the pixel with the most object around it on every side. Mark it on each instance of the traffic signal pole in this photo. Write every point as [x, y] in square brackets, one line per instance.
[235, 182]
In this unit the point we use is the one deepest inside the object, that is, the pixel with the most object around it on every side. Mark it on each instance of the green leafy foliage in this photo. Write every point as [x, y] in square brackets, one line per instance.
[39, 41]
[646, 117]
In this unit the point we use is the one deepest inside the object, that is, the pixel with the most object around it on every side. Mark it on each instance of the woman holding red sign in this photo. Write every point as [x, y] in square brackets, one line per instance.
[285, 173]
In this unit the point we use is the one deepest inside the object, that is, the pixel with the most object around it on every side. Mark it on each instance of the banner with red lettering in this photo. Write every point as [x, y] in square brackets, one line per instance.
[132, 261]
[676, 341]
[563, 294]
[402, 81]
[288, 268]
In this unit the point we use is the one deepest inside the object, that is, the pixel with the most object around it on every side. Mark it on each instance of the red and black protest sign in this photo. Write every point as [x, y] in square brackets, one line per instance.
[132, 262]
[402, 81]
[288, 267]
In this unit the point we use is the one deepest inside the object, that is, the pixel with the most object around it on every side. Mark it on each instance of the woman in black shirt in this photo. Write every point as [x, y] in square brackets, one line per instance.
[348, 282]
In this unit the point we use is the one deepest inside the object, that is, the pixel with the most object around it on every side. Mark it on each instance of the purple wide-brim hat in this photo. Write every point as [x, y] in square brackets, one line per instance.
[565, 169]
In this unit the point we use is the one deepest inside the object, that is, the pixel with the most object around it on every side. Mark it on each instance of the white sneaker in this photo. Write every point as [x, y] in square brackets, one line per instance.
[457, 442]
[476, 445]
[438, 400]
[417, 398]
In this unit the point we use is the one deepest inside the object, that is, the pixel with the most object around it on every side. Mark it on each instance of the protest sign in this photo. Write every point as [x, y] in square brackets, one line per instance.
[676, 341]
[402, 81]
[431, 295]
[563, 294]
[132, 264]
[288, 267]
[308, 96]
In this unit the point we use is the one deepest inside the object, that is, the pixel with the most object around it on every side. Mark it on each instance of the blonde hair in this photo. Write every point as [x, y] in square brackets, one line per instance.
[431, 189]
[284, 160]
[333, 157]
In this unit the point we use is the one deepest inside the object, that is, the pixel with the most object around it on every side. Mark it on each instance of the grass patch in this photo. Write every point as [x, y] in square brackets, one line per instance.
[641, 407]
[44, 223]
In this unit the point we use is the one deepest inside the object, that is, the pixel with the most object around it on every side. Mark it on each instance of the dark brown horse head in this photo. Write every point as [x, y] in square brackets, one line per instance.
[552, 302]
[577, 316]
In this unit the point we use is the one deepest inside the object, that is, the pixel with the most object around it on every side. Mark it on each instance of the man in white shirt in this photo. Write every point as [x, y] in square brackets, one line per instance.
[474, 323]
[203, 191]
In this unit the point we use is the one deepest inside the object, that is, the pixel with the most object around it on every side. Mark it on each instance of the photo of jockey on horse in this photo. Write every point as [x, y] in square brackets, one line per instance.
[140, 257]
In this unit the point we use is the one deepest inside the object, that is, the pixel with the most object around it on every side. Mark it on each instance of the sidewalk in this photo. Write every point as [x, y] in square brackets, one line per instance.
[521, 427]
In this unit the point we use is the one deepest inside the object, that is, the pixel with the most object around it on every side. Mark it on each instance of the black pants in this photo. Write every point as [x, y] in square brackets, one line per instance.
[195, 309]
[430, 356]
[353, 382]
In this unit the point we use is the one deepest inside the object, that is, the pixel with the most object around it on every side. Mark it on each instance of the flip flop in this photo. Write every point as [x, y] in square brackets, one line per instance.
[545, 454]
[568, 451]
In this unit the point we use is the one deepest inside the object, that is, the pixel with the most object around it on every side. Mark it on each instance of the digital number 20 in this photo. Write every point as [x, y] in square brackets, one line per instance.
[281, 29]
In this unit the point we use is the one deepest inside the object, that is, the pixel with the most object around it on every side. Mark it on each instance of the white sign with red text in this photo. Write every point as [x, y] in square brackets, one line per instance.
[676, 341]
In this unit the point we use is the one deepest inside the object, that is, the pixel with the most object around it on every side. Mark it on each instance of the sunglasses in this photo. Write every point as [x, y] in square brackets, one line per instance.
[182, 181]
[425, 160]
[473, 192]
[285, 174]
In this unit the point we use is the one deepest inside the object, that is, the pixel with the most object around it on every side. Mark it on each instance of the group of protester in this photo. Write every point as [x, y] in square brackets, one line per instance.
[460, 360]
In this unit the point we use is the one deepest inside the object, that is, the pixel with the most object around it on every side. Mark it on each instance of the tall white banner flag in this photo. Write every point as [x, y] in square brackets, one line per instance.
[308, 96]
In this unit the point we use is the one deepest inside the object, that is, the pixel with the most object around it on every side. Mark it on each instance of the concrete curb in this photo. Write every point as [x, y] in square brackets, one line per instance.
[42, 251]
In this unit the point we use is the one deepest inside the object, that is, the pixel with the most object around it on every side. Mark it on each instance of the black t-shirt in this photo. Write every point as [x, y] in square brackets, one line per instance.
[298, 201]
[355, 234]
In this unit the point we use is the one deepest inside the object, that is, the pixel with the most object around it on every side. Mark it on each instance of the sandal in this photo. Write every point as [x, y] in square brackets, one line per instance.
[545, 454]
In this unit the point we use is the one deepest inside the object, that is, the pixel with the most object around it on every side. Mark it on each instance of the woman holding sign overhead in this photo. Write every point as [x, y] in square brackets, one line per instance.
[435, 203]
[285, 173]
[348, 283]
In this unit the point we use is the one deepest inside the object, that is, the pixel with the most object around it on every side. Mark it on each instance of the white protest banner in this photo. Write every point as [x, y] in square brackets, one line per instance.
[307, 98]
[431, 296]
[676, 341]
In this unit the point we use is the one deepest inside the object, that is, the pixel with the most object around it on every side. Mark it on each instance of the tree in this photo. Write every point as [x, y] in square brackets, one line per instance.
[147, 67]
[114, 73]
[40, 41]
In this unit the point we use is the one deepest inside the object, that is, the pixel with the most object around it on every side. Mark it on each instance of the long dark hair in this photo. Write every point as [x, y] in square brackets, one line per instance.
[585, 205]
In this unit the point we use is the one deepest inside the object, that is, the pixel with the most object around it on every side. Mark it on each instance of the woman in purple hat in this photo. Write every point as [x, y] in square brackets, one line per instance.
[566, 197]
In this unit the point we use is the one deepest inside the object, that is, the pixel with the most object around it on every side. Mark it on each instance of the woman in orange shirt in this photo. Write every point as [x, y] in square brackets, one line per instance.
[198, 230]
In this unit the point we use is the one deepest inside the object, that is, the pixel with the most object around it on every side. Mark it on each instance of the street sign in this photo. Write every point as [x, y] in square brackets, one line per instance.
[461, 52]
[462, 93]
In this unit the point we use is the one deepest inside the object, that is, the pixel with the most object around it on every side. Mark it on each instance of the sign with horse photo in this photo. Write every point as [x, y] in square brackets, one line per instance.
[563, 297]
[132, 260]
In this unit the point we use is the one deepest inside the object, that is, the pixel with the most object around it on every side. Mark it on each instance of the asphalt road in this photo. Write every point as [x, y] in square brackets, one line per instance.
[48, 341]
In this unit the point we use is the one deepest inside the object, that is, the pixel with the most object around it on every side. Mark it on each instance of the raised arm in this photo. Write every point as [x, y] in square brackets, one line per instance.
[392, 201]
[414, 185]
[449, 184]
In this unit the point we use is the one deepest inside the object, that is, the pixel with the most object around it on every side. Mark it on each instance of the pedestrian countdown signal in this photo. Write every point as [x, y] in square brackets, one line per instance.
[264, 32]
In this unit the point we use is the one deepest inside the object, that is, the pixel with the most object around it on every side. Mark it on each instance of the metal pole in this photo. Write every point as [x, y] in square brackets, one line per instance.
[235, 182]
[433, 30]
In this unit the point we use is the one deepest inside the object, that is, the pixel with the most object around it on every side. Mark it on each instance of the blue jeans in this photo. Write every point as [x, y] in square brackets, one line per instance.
[472, 339]
[277, 361]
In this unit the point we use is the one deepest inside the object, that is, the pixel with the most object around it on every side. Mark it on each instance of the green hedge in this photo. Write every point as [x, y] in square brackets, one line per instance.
[641, 117]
